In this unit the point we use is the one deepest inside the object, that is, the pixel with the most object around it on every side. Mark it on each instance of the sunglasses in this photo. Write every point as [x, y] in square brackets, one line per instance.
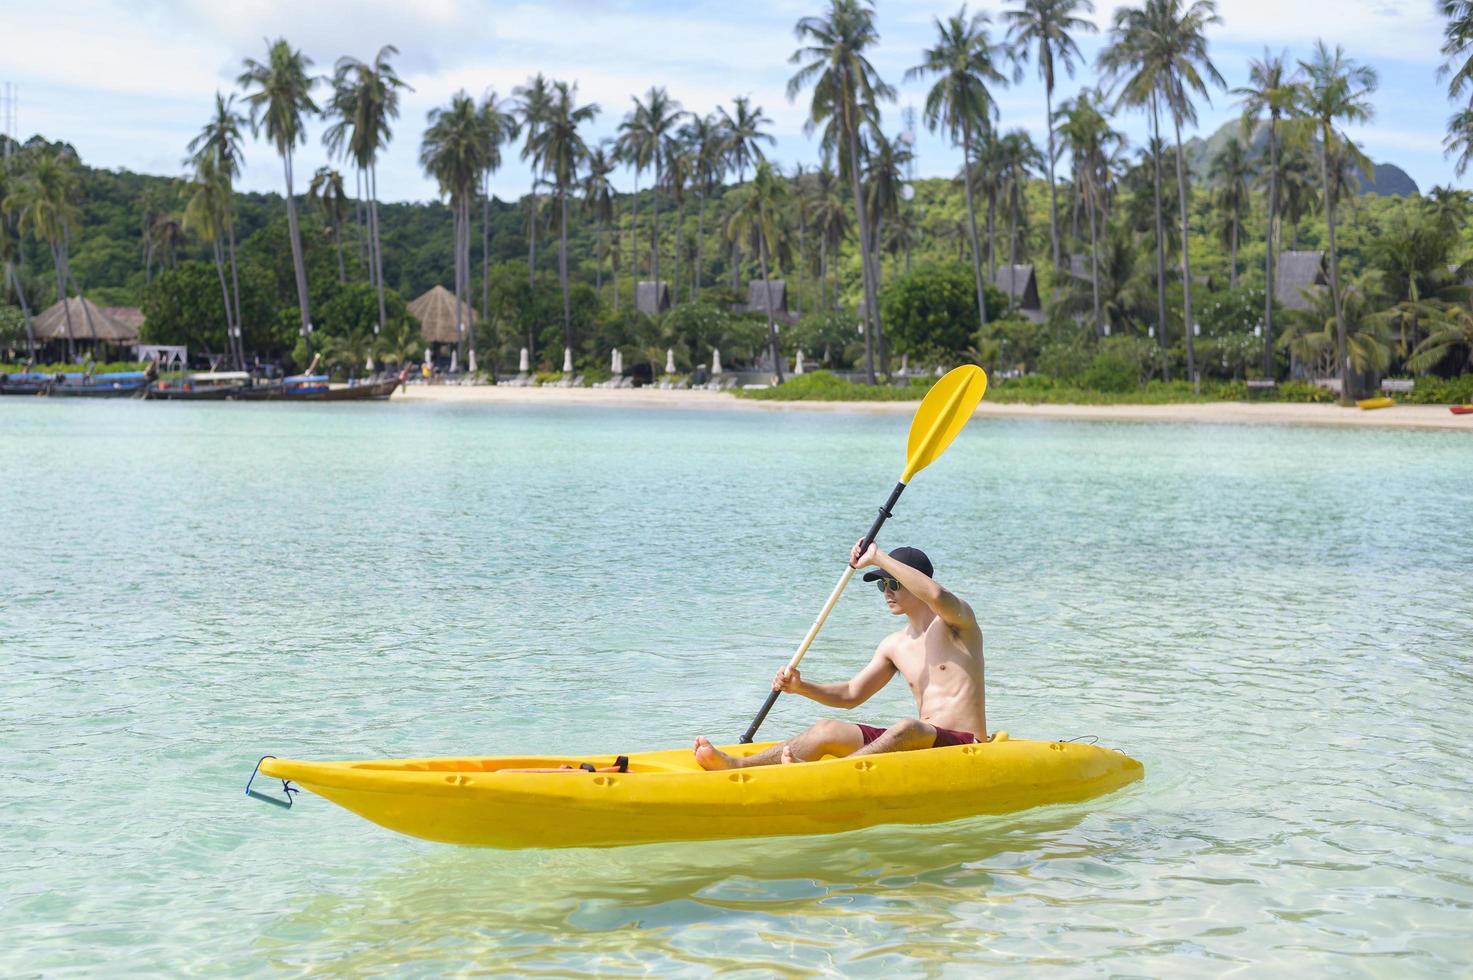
[888, 584]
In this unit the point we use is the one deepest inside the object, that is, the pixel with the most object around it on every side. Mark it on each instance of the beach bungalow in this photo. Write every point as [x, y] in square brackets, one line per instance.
[652, 298]
[89, 323]
[1020, 285]
[129, 316]
[435, 311]
[757, 292]
[1299, 273]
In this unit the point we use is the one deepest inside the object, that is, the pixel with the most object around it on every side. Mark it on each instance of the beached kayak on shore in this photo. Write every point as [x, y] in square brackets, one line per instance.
[665, 796]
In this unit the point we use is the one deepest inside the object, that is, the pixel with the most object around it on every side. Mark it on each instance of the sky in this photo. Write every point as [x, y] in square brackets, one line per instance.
[130, 82]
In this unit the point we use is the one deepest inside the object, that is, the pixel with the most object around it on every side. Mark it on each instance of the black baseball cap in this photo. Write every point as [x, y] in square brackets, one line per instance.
[914, 557]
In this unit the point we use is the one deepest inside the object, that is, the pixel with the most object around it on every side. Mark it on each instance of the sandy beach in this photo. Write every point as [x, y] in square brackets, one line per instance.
[1226, 413]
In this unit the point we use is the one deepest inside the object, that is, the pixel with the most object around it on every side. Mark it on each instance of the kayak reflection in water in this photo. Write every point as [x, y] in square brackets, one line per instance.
[938, 652]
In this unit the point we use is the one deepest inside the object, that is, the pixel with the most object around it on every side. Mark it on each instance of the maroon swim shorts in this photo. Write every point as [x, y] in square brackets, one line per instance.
[944, 736]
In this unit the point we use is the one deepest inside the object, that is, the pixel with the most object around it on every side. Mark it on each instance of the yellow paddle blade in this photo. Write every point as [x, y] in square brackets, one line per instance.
[943, 412]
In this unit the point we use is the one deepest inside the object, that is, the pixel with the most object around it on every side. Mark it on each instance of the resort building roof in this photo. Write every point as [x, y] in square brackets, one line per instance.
[88, 322]
[652, 298]
[435, 311]
[1298, 271]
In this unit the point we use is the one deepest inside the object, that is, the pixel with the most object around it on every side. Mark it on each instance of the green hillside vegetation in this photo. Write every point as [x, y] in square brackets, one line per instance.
[710, 213]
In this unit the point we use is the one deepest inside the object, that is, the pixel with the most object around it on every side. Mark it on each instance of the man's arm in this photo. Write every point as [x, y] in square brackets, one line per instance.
[848, 694]
[952, 611]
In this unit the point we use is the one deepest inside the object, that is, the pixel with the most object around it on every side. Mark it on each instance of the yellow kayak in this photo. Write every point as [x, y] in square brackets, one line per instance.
[1372, 403]
[665, 796]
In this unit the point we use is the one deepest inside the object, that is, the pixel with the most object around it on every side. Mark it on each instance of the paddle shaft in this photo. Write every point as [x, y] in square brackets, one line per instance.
[827, 608]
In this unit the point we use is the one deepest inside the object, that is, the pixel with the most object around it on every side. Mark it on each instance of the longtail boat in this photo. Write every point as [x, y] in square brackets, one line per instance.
[25, 383]
[208, 386]
[119, 384]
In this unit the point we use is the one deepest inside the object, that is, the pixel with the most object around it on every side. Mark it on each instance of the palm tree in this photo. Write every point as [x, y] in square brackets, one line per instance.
[846, 88]
[707, 141]
[830, 216]
[742, 134]
[758, 217]
[454, 151]
[1045, 25]
[598, 198]
[1159, 53]
[1350, 329]
[9, 251]
[1230, 172]
[1336, 90]
[559, 150]
[885, 173]
[1020, 158]
[965, 61]
[985, 174]
[499, 120]
[532, 99]
[1457, 49]
[365, 101]
[1271, 88]
[206, 215]
[1091, 144]
[279, 92]
[679, 169]
[647, 130]
[45, 204]
[326, 191]
[220, 139]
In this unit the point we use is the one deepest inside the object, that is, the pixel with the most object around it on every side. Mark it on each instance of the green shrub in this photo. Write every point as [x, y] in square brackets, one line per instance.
[822, 386]
[1302, 391]
[1441, 391]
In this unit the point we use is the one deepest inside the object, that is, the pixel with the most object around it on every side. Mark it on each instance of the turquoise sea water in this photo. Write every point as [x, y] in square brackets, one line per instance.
[1275, 621]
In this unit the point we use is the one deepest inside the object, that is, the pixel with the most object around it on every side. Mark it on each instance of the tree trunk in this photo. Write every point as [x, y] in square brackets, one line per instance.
[1270, 263]
[634, 243]
[700, 243]
[655, 224]
[532, 235]
[992, 234]
[1053, 195]
[337, 237]
[297, 263]
[777, 363]
[562, 270]
[1013, 194]
[1188, 324]
[359, 221]
[1233, 256]
[1160, 247]
[1094, 259]
[25, 308]
[235, 289]
[971, 225]
[66, 309]
[225, 297]
[871, 298]
[486, 245]
[1340, 343]
[823, 271]
[377, 248]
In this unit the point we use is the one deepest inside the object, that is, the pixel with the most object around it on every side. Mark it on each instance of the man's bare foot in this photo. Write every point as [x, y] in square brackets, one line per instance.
[711, 757]
[787, 758]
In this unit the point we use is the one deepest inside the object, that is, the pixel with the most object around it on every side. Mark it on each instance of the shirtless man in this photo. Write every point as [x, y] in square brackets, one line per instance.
[938, 652]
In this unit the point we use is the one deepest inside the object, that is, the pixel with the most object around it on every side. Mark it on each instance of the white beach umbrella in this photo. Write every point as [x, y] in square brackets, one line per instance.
[369, 366]
[567, 360]
[428, 358]
[904, 365]
[715, 360]
[670, 360]
[523, 367]
[472, 359]
[798, 368]
[454, 359]
[614, 361]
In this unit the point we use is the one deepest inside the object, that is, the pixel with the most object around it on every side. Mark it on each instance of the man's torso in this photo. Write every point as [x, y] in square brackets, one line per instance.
[945, 674]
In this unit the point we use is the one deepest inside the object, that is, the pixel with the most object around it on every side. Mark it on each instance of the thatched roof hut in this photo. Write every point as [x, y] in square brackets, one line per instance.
[1020, 285]
[88, 322]
[757, 290]
[129, 316]
[1299, 271]
[435, 311]
[652, 298]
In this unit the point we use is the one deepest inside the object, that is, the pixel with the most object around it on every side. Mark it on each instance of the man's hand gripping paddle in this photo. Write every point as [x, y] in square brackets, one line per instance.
[943, 412]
